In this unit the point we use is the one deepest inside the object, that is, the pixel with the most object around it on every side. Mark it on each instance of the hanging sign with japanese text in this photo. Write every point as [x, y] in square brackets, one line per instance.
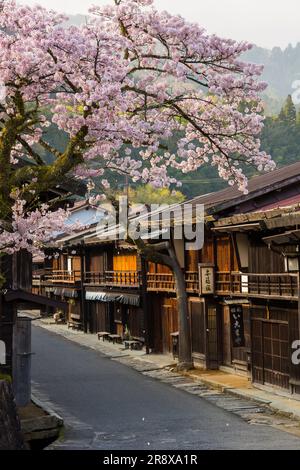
[206, 279]
[237, 326]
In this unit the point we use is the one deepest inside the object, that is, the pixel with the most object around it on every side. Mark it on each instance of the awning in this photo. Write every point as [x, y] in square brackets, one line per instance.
[129, 299]
[103, 296]
[238, 228]
[64, 292]
[122, 298]
[287, 238]
[236, 301]
[49, 289]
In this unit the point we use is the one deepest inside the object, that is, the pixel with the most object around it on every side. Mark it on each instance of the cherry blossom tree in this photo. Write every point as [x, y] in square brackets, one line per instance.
[119, 87]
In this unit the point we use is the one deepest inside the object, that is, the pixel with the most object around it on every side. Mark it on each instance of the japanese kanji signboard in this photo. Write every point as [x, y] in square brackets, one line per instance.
[206, 279]
[237, 326]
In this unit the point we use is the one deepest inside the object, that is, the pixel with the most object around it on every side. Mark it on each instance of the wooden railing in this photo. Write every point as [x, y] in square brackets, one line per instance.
[279, 285]
[38, 276]
[62, 277]
[130, 279]
[157, 282]
[161, 282]
[192, 281]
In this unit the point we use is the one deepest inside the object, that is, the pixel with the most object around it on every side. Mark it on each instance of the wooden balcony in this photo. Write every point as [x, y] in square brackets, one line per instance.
[235, 284]
[60, 277]
[123, 279]
[276, 286]
[159, 282]
[38, 277]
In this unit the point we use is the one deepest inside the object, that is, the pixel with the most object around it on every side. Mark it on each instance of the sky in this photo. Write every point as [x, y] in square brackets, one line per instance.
[263, 22]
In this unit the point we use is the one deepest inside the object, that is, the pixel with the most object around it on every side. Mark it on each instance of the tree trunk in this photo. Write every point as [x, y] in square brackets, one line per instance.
[153, 253]
[185, 359]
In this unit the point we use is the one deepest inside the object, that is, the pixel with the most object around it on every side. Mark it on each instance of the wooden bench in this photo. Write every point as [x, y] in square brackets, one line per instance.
[139, 340]
[133, 344]
[115, 338]
[104, 335]
[75, 321]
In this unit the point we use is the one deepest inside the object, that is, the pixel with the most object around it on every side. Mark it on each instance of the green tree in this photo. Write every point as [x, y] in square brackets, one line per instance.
[288, 111]
[149, 195]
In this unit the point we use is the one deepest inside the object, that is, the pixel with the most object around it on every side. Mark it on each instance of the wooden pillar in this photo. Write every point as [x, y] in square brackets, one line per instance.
[206, 335]
[82, 289]
[298, 282]
[7, 321]
[7, 315]
[144, 269]
[22, 361]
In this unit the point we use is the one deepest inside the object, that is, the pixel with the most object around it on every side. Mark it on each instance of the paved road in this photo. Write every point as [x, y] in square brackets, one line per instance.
[107, 405]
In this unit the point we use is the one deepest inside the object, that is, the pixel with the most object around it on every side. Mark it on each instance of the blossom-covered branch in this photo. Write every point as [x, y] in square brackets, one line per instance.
[30, 230]
[118, 89]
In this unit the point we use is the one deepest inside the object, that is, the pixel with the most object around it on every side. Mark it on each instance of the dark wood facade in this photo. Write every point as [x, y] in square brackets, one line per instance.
[267, 289]
[101, 284]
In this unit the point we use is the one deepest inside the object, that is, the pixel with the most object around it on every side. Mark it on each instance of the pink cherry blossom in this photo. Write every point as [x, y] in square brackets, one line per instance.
[30, 230]
[126, 82]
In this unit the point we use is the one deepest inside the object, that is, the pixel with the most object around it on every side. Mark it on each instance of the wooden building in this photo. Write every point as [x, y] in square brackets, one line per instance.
[233, 255]
[265, 287]
[215, 342]
[113, 290]
[100, 281]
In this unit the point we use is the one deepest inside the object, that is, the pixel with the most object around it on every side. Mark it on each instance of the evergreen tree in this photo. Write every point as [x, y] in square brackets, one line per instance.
[288, 111]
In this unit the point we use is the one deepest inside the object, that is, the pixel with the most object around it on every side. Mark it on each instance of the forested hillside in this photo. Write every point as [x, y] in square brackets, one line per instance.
[281, 72]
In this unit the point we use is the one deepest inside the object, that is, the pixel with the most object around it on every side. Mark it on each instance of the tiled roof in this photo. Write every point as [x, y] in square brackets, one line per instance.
[263, 182]
[291, 201]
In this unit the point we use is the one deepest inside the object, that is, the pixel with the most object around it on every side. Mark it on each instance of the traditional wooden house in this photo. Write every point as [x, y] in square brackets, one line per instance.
[61, 275]
[256, 295]
[99, 279]
[113, 289]
[211, 315]
[260, 295]
[102, 285]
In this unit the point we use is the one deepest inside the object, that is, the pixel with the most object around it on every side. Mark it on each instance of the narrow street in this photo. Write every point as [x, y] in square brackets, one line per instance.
[107, 405]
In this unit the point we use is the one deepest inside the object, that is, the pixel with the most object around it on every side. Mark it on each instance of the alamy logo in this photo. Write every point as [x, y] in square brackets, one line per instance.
[296, 353]
[153, 222]
[2, 353]
[2, 92]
